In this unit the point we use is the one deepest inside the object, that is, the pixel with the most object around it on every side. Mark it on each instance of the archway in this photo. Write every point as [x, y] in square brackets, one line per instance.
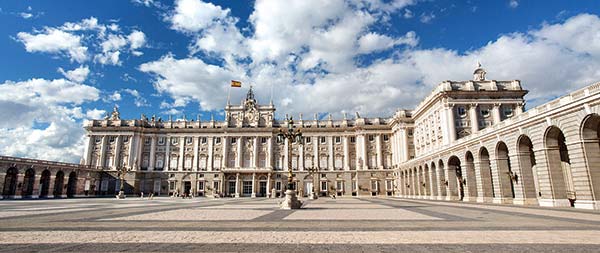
[434, 181]
[485, 170]
[441, 176]
[590, 136]
[45, 184]
[528, 178]
[58, 184]
[504, 174]
[421, 182]
[559, 165]
[471, 183]
[455, 178]
[28, 182]
[426, 180]
[72, 185]
[10, 183]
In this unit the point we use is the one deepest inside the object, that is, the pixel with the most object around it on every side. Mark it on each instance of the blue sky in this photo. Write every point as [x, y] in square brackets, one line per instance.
[67, 61]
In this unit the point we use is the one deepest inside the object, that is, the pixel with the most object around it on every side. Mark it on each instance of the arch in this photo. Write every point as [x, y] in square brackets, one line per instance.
[590, 136]
[434, 180]
[527, 162]
[504, 172]
[10, 183]
[426, 179]
[44, 183]
[455, 178]
[559, 165]
[420, 181]
[58, 184]
[72, 185]
[441, 176]
[28, 182]
[471, 183]
[485, 170]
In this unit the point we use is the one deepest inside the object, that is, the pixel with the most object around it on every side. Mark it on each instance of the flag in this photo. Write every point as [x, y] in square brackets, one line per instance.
[236, 84]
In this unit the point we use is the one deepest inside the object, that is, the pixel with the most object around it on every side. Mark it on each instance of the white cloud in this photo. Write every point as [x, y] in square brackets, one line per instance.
[95, 114]
[41, 118]
[26, 15]
[52, 40]
[408, 14]
[513, 3]
[116, 96]
[195, 15]
[77, 75]
[137, 39]
[373, 42]
[139, 100]
[427, 17]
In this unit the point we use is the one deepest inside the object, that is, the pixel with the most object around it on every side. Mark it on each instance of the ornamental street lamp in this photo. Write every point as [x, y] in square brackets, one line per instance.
[313, 172]
[122, 171]
[290, 134]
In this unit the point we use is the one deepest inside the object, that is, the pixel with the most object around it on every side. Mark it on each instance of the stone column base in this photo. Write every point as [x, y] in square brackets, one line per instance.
[450, 198]
[484, 199]
[469, 199]
[290, 201]
[441, 198]
[587, 204]
[253, 195]
[555, 202]
[525, 201]
[502, 200]
[237, 195]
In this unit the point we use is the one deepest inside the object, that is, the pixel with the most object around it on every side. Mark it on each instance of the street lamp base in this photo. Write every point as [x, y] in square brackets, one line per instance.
[121, 195]
[291, 201]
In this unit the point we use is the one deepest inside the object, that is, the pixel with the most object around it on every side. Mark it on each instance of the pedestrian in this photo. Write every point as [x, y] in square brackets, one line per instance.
[142, 195]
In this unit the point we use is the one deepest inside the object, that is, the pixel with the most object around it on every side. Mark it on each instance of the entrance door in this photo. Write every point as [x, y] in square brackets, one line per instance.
[231, 187]
[262, 191]
[187, 187]
[308, 188]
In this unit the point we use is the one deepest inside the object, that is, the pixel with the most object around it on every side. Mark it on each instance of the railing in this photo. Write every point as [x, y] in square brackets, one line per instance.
[45, 162]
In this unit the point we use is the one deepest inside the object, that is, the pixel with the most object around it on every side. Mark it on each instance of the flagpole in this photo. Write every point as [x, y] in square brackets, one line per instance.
[228, 94]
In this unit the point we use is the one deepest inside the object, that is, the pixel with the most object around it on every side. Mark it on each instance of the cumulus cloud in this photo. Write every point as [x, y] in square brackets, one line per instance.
[42, 118]
[76, 75]
[52, 40]
[513, 3]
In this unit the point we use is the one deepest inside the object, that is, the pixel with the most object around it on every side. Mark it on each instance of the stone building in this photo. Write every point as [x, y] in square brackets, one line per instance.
[467, 140]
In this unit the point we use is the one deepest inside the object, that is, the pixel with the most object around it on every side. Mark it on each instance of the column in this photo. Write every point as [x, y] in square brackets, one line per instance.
[196, 141]
[238, 161]
[181, 153]
[117, 152]
[270, 153]
[209, 159]
[358, 153]
[167, 154]
[138, 151]
[224, 160]
[301, 157]
[364, 151]
[253, 185]
[255, 153]
[379, 152]
[132, 152]
[103, 152]
[286, 145]
[346, 153]
[331, 157]
[496, 113]
[89, 149]
[237, 185]
[473, 118]
[394, 142]
[451, 126]
[316, 152]
[152, 153]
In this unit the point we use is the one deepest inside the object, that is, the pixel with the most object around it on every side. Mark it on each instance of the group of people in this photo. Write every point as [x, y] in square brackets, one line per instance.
[150, 196]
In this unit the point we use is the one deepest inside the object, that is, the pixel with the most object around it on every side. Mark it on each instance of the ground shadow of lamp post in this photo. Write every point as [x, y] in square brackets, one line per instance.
[291, 200]
[122, 171]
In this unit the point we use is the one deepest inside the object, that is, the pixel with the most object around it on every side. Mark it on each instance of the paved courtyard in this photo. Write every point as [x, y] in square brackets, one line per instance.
[343, 224]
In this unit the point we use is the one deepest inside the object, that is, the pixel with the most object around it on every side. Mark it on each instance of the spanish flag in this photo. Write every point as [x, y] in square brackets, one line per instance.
[236, 84]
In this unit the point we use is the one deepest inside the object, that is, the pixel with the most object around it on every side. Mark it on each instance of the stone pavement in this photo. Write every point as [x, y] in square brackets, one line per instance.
[256, 225]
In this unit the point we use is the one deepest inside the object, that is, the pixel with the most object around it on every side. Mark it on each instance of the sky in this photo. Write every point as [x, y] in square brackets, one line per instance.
[65, 62]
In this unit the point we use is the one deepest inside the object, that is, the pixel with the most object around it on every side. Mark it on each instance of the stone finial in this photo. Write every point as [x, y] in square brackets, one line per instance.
[329, 117]
[300, 117]
[316, 118]
[479, 73]
[345, 116]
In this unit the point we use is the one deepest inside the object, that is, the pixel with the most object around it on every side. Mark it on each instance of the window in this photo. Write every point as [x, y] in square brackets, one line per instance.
[125, 139]
[111, 139]
[278, 186]
[323, 162]
[216, 186]
[308, 140]
[338, 162]
[201, 186]
[352, 139]
[98, 139]
[160, 162]
[203, 162]
[461, 111]
[371, 137]
[203, 140]
[263, 140]
[338, 139]
[173, 162]
[386, 137]
[410, 132]
[161, 141]
[188, 140]
[233, 140]
[485, 112]
[188, 163]
[508, 111]
[174, 140]
[323, 140]
[218, 140]
[323, 186]
[147, 141]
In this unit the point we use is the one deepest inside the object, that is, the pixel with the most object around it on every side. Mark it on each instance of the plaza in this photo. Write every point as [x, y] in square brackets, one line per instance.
[257, 224]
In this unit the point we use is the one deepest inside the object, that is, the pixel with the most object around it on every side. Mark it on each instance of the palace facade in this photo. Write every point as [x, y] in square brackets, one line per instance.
[467, 140]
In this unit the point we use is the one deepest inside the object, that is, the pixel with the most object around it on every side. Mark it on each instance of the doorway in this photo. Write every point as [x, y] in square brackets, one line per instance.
[262, 189]
[187, 187]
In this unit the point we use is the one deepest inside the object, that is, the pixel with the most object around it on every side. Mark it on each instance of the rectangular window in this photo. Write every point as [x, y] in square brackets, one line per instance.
[386, 137]
[203, 140]
[278, 186]
[352, 139]
[323, 186]
[263, 140]
[215, 186]
[307, 140]
[233, 140]
[218, 140]
[247, 187]
[147, 141]
[338, 139]
[200, 186]
[371, 137]
[161, 141]
[174, 140]
[323, 140]
[111, 139]
[188, 140]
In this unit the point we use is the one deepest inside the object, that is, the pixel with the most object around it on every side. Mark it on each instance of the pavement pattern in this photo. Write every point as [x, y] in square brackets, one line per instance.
[257, 225]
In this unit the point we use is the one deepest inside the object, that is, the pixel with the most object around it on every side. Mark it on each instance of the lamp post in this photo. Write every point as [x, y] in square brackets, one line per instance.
[122, 170]
[290, 133]
[314, 172]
